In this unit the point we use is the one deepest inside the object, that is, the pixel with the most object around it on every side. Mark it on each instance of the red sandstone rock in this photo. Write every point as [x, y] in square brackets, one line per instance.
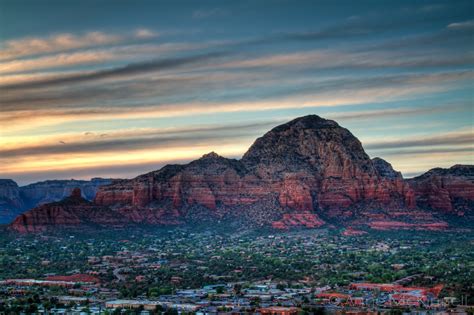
[305, 219]
[73, 211]
[447, 190]
[297, 173]
[308, 165]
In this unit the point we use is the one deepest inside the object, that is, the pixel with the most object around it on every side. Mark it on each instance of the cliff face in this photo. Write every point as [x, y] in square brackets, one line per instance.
[10, 201]
[320, 165]
[15, 200]
[73, 211]
[303, 169]
[447, 190]
[204, 187]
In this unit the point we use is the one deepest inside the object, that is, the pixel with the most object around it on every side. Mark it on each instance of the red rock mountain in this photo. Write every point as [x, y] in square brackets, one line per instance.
[306, 172]
[447, 190]
[72, 211]
[295, 174]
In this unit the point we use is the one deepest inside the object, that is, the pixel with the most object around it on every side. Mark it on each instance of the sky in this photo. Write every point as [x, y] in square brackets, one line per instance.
[120, 88]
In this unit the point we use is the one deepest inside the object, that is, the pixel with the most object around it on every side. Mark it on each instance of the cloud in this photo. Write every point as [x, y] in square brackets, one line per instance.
[333, 59]
[118, 72]
[129, 140]
[56, 61]
[465, 25]
[71, 162]
[395, 112]
[149, 137]
[122, 170]
[13, 49]
[144, 33]
[84, 100]
[453, 138]
[61, 42]
[89, 57]
[293, 94]
[469, 149]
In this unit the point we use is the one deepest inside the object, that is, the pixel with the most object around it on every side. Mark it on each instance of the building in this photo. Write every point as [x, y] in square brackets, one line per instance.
[278, 310]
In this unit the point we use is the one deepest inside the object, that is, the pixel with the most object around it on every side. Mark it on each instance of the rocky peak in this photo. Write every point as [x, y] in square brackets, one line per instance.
[455, 170]
[211, 158]
[308, 122]
[8, 189]
[311, 144]
[461, 170]
[214, 163]
[385, 169]
[211, 155]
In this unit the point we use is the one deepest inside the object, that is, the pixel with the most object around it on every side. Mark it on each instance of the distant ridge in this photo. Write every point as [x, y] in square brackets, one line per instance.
[14, 200]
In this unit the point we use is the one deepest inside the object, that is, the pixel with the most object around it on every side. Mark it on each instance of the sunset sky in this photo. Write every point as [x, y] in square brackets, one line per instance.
[120, 88]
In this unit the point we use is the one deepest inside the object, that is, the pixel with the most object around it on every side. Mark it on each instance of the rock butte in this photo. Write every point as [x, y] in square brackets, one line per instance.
[14, 200]
[73, 211]
[307, 172]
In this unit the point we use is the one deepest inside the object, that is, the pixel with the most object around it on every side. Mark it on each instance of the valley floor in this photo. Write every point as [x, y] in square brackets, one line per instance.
[248, 271]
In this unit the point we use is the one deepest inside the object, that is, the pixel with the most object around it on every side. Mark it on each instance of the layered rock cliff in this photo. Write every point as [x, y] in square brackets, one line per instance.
[73, 211]
[447, 190]
[14, 200]
[317, 164]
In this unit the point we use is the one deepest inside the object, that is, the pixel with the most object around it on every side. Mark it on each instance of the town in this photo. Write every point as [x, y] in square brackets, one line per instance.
[218, 271]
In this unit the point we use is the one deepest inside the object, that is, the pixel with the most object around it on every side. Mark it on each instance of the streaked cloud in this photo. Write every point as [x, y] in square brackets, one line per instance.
[397, 112]
[72, 162]
[66, 41]
[101, 101]
[145, 33]
[462, 25]
[324, 59]
[123, 71]
[417, 152]
[61, 42]
[129, 140]
[56, 61]
[316, 95]
[87, 57]
[454, 138]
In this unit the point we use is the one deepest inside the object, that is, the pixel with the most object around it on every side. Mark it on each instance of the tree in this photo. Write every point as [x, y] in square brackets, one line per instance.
[281, 286]
[171, 311]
